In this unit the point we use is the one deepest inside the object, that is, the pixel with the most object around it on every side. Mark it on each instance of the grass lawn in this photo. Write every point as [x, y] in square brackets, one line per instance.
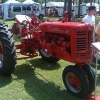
[35, 79]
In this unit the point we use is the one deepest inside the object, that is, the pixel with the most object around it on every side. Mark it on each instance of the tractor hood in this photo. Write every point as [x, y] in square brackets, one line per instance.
[64, 28]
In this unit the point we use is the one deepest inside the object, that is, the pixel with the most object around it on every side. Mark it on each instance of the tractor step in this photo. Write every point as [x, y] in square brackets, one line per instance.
[25, 56]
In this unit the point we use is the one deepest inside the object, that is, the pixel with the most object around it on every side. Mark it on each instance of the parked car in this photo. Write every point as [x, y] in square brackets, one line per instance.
[25, 9]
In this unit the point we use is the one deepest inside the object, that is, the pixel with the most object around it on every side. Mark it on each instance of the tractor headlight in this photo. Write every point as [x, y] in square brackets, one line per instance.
[24, 22]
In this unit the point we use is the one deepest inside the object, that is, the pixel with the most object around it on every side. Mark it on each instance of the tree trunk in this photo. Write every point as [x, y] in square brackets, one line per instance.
[65, 5]
[69, 9]
[91, 2]
[2, 1]
[98, 2]
[99, 7]
[73, 2]
[94, 2]
[80, 1]
[45, 8]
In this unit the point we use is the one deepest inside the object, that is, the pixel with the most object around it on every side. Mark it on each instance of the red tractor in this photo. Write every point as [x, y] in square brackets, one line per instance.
[70, 41]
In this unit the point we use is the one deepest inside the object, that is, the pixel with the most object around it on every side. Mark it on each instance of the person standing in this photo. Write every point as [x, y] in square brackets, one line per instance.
[90, 18]
[49, 11]
[73, 16]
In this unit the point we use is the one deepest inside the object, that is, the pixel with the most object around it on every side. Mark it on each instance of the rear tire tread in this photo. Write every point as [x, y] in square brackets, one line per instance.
[8, 50]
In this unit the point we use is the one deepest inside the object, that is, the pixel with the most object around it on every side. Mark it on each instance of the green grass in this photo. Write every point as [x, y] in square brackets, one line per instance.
[8, 22]
[35, 79]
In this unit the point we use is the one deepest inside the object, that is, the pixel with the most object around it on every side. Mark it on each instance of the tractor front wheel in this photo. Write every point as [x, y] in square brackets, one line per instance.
[7, 51]
[91, 76]
[75, 81]
[47, 57]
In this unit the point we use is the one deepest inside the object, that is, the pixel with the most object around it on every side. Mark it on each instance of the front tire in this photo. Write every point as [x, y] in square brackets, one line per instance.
[47, 57]
[7, 51]
[75, 81]
[91, 76]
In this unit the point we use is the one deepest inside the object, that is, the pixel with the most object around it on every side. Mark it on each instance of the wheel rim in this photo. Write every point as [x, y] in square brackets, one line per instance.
[44, 52]
[40, 16]
[1, 55]
[73, 82]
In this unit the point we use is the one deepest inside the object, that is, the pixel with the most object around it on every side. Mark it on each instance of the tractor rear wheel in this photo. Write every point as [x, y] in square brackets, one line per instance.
[7, 51]
[47, 57]
[75, 81]
[91, 76]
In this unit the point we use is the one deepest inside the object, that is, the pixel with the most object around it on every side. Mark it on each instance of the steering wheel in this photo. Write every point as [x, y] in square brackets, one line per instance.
[35, 8]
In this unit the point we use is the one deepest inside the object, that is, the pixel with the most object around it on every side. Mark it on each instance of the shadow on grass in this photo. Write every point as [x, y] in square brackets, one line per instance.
[39, 63]
[16, 38]
[39, 87]
[98, 73]
[5, 80]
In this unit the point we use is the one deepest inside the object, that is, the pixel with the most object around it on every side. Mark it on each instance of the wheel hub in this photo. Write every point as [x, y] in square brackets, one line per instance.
[73, 82]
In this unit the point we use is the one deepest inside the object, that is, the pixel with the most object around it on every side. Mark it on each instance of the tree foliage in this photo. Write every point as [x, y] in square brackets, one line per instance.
[86, 1]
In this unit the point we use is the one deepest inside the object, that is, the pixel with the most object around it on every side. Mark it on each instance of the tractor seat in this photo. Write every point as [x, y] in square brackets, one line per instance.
[20, 18]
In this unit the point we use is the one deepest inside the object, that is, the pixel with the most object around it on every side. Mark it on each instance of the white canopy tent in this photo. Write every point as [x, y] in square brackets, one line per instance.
[5, 7]
[95, 4]
[11, 1]
[28, 2]
[54, 4]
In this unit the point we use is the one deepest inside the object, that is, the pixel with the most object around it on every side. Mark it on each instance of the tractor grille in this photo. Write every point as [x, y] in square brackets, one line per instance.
[90, 40]
[83, 43]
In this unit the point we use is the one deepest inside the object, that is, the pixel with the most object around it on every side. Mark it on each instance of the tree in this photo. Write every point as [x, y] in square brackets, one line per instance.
[65, 5]
[2, 1]
[45, 8]
[80, 1]
[21, 0]
[69, 9]
[91, 2]
[86, 1]
[98, 1]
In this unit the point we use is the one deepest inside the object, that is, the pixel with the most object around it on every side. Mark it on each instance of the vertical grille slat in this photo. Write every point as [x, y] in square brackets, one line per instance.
[80, 43]
[83, 42]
